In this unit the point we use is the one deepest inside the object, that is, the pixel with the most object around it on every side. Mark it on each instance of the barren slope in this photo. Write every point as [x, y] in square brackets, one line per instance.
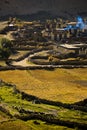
[61, 7]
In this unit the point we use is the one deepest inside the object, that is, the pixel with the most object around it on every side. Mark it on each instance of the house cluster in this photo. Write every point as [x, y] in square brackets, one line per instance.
[50, 30]
[29, 31]
[56, 30]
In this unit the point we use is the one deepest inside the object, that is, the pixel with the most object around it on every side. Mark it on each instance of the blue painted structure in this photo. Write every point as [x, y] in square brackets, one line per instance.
[79, 24]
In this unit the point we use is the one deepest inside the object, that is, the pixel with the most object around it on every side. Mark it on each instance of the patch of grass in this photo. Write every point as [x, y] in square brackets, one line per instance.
[30, 125]
[3, 117]
[10, 100]
[8, 97]
[39, 125]
[73, 115]
[2, 63]
[15, 125]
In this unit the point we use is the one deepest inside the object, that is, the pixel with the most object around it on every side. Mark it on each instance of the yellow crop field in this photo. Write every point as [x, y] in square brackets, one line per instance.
[65, 85]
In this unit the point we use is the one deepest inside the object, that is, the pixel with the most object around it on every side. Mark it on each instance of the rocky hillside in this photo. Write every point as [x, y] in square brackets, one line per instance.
[54, 7]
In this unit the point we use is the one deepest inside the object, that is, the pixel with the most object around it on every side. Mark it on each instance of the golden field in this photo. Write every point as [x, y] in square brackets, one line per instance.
[65, 85]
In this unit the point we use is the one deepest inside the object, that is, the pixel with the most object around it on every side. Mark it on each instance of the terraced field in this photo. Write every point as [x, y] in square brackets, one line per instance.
[19, 110]
[43, 99]
[65, 85]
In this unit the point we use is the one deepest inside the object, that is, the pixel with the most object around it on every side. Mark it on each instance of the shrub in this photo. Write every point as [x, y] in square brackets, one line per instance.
[5, 48]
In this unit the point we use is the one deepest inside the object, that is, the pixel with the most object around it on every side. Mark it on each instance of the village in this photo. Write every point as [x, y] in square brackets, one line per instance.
[50, 42]
[43, 64]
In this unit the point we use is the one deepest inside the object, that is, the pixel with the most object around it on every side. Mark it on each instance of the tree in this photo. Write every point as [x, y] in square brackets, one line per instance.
[5, 48]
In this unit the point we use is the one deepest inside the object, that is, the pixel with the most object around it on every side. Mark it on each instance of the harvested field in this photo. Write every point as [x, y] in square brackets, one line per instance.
[58, 85]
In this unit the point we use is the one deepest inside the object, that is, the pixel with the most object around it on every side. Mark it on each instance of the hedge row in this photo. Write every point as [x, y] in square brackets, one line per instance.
[30, 43]
[36, 60]
[46, 67]
[3, 109]
[49, 118]
[44, 101]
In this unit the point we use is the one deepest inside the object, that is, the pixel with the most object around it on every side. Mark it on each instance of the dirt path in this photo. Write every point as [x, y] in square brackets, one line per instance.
[23, 63]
